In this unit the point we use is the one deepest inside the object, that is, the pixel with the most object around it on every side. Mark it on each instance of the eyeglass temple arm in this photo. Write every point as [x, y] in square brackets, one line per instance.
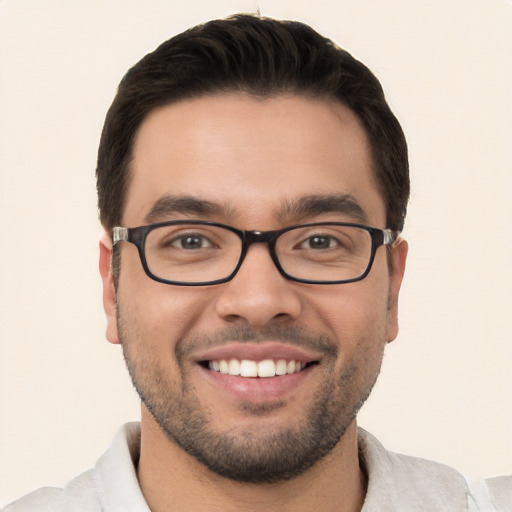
[119, 235]
[390, 237]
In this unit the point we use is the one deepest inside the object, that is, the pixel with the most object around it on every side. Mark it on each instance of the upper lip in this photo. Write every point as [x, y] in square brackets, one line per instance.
[256, 352]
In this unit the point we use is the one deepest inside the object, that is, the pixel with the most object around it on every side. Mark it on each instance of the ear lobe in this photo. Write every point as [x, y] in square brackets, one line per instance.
[109, 291]
[399, 255]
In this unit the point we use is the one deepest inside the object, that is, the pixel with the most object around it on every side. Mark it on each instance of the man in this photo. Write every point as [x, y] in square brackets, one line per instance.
[253, 185]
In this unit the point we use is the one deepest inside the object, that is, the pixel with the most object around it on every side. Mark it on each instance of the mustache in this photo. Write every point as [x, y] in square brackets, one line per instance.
[292, 335]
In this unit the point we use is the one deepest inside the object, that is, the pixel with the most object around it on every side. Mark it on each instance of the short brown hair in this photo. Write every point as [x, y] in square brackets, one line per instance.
[262, 57]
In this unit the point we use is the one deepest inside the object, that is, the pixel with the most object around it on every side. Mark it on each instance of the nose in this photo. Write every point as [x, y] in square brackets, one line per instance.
[258, 294]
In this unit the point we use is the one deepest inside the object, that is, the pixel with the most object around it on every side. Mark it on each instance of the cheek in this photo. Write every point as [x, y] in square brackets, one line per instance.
[356, 317]
[165, 315]
[157, 315]
[352, 308]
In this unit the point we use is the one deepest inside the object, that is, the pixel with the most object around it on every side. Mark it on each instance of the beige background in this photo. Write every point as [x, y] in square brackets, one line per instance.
[445, 389]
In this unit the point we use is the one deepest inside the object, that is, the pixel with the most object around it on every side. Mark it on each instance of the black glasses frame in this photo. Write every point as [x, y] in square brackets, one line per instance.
[137, 236]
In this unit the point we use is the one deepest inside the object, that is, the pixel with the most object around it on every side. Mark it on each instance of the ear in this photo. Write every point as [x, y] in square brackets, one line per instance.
[109, 291]
[399, 254]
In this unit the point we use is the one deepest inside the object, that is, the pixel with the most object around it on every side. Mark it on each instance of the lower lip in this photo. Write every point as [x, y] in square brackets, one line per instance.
[258, 389]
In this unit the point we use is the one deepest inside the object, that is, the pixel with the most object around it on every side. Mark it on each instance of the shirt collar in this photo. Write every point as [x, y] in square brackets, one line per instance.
[115, 474]
[401, 483]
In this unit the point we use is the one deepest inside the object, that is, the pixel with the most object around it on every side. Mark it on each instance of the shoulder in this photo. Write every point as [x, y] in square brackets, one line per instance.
[500, 492]
[111, 485]
[411, 483]
[79, 495]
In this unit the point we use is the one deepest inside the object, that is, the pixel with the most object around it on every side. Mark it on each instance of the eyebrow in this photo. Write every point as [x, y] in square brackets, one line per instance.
[309, 206]
[291, 211]
[186, 205]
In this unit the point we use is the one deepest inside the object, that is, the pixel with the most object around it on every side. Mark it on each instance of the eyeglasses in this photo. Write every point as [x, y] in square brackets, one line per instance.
[200, 253]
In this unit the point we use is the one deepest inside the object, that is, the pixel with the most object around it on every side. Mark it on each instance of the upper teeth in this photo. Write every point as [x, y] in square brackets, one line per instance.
[248, 368]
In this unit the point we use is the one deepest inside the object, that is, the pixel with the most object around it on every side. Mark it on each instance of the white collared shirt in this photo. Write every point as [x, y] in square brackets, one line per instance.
[395, 483]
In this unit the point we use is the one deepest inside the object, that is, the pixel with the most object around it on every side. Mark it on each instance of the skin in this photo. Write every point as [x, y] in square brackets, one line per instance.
[252, 156]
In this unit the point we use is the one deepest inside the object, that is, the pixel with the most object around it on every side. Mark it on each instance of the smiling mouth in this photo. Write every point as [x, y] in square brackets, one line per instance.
[262, 369]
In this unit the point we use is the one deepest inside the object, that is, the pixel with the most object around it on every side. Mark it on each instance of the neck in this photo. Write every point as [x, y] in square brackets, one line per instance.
[168, 475]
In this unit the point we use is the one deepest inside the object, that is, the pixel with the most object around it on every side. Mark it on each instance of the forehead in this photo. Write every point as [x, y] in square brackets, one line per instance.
[251, 156]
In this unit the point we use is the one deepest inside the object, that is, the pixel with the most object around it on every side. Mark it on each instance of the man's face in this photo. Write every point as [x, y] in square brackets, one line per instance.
[255, 161]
